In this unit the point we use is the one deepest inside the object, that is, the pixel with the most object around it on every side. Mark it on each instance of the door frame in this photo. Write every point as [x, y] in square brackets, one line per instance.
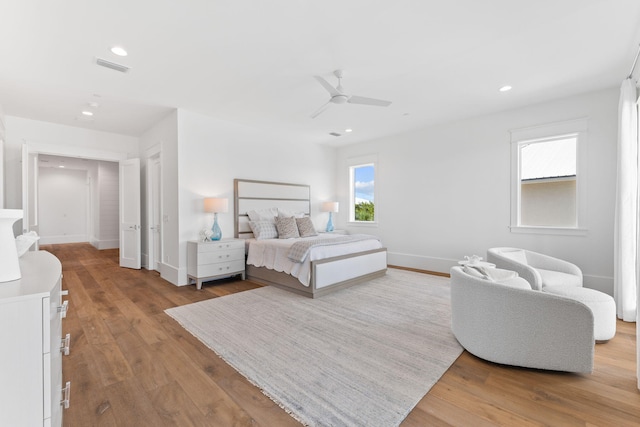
[30, 148]
[154, 208]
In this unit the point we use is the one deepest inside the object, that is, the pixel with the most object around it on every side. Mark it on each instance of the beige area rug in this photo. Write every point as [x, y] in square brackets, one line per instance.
[362, 356]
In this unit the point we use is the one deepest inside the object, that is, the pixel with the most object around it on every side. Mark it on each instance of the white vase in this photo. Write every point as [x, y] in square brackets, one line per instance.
[9, 263]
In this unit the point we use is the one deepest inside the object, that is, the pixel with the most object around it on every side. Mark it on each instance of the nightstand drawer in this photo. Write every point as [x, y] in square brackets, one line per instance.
[222, 245]
[221, 268]
[220, 256]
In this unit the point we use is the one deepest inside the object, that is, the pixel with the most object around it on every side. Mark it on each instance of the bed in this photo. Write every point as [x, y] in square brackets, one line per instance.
[334, 263]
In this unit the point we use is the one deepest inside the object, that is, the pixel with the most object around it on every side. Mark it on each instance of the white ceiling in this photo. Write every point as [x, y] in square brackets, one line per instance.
[252, 62]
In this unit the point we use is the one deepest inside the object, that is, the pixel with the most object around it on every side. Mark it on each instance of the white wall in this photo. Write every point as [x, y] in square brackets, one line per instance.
[444, 191]
[59, 140]
[2, 144]
[62, 202]
[201, 156]
[163, 138]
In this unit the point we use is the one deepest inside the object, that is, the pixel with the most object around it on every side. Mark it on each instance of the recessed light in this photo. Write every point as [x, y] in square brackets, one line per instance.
[348, 130]
[87, 113]
[505, 88]
[118, 50]
[61, 166]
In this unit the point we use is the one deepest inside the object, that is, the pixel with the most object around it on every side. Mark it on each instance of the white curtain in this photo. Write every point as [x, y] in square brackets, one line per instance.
[625, 275]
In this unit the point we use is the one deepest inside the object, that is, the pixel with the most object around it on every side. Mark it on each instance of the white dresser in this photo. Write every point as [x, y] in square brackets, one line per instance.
[214, 260]
[31, 312]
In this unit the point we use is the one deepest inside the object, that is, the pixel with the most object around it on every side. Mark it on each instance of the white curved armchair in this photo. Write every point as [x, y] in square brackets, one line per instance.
[521, 327]
[538, 269]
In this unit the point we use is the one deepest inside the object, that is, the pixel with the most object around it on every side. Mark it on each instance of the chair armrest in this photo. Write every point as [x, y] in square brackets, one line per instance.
[525, 271]
[547, 262]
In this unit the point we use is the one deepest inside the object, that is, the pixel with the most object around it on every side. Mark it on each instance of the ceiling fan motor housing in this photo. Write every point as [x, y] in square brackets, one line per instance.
[339, 99]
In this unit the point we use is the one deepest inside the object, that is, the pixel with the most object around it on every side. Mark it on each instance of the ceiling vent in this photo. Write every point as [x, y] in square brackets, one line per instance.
[112, 65]
[334, 134]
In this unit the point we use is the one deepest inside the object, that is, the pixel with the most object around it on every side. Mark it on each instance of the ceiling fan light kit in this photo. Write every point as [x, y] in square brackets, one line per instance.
[338, 95]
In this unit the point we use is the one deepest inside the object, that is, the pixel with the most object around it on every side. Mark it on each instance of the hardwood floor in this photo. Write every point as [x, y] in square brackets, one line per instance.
[132, 365]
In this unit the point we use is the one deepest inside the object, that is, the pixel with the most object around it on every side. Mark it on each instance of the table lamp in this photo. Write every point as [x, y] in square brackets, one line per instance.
[216, 205]
[330, 207]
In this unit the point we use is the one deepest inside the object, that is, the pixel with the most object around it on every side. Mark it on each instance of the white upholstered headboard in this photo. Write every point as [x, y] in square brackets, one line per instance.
[256, 195]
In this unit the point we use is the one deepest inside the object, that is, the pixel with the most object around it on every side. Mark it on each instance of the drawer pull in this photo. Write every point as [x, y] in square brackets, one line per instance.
[63, 309]
[64, 345]
[66, 393]
[64, 293]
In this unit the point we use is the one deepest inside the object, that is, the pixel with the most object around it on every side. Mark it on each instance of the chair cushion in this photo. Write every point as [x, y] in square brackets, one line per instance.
[557, 278]
[497, 275]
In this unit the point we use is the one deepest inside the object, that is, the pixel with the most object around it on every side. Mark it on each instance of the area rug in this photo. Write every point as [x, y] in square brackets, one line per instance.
[362, 356]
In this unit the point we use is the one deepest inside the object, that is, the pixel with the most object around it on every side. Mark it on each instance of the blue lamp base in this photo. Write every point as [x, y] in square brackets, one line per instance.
[216, 232]
[330, 223]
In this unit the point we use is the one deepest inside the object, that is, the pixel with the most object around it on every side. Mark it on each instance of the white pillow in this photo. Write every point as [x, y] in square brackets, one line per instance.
[283, 213]
[263, 230]
[263, 215]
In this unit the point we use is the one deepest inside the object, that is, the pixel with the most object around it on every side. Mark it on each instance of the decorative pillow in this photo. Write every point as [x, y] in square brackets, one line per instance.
[287, 227]
[263, 215]
[306, 227]
[285, 213]
[263, 230]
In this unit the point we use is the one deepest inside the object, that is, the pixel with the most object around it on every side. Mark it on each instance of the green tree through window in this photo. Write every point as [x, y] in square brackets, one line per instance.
[363, 181]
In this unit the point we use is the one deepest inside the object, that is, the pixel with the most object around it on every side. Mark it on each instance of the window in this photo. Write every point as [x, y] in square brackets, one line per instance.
[548, 178]
[362, 192]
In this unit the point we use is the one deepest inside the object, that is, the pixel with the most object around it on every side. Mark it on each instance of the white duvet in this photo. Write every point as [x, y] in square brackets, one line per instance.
[273, 254]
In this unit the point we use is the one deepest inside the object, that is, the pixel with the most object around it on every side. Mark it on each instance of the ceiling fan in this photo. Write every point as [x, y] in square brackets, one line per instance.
[338, 96]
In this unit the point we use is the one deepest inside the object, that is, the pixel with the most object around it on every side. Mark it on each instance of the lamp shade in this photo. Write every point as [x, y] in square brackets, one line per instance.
[330, 207]
[216, 204]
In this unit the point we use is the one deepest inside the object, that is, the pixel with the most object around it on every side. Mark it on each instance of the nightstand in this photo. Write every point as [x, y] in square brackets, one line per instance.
[215, 259]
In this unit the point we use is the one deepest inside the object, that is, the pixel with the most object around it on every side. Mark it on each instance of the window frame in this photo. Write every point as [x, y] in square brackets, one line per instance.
[550, 132]
[352, 164]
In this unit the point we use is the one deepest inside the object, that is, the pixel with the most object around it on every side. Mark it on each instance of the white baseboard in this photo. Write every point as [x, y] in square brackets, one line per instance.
[437, 265]
[67, 238]
[176, 276]
[105, 244]
[443, 265]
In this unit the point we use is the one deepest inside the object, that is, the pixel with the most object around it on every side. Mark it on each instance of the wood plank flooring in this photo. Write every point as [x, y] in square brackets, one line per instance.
[132, 365]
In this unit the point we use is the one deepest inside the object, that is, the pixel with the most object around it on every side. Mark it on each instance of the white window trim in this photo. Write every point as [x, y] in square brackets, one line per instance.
[361, 161]
[577, 127]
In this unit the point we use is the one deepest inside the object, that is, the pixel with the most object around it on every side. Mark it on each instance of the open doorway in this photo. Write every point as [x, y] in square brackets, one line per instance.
[76, 200]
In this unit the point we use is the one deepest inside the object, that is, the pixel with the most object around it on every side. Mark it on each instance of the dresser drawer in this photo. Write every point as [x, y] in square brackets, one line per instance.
[221, 268]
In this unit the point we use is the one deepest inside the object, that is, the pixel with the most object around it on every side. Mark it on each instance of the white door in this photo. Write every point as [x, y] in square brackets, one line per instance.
[130, 255]
[153, 211]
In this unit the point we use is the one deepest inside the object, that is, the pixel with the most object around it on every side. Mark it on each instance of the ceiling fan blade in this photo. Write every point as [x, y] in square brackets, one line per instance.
[368, 101]
[325, 84]
[321, 109]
